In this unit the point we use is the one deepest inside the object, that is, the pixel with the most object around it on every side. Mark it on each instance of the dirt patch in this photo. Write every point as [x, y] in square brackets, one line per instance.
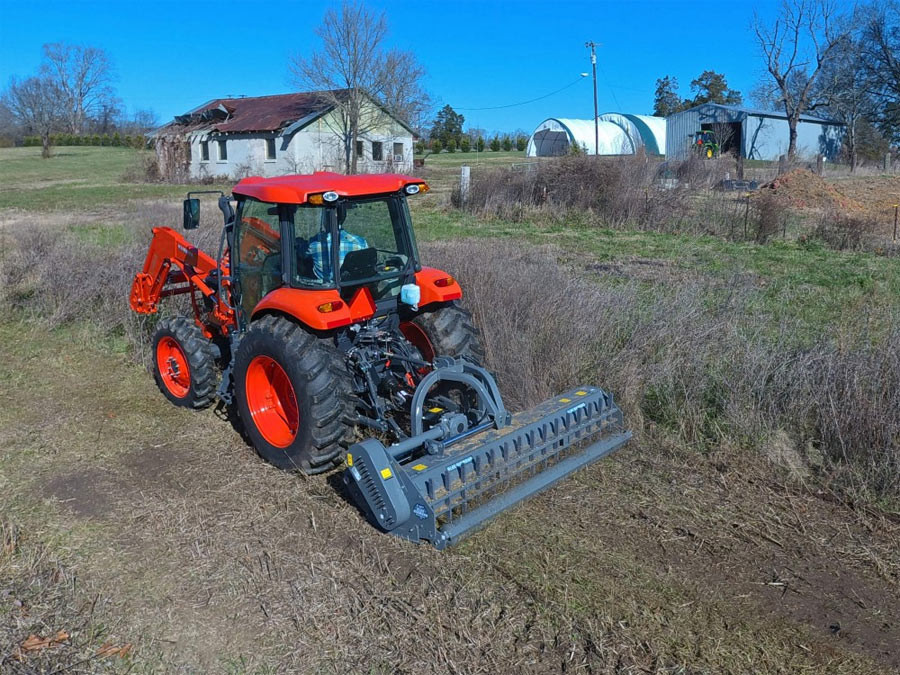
[641, 269]
[876, 195]
[802, 188]
[775, 549]
[87, 493]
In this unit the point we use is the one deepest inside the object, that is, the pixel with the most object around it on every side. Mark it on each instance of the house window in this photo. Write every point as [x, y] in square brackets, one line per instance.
[377, 151]
[398, 152]
[360, 150]
[204, 151]
[223, 151]
[270, 148]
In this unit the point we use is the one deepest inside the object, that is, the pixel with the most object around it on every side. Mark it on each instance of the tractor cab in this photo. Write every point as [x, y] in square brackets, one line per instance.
[344, 241]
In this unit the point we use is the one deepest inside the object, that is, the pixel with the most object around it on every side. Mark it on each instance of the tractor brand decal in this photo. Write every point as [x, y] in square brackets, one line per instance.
[183, 249]
[456, 465]
[420, 512]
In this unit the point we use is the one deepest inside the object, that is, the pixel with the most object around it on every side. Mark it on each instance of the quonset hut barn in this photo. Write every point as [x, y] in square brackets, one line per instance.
[618, 134]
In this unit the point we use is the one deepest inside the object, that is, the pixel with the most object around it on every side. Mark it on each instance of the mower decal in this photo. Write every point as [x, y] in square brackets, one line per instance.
[419, 467]
[435, 410]
[577, 407]
[420, 512]
[456, 465]
[355, 472]
[386, 473]
[581, 393]
[565, 400]
[349, 459]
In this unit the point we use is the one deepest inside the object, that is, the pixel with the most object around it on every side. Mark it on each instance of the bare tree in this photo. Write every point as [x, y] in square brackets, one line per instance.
[842, 87]
[800, 43]
[359, 76]
[83, 76]
[10, 130]
[880, 50]
[35, 102]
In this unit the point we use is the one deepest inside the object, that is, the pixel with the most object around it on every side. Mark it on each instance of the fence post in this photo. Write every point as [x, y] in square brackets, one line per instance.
[740, 166]
[782, 164]
[464, 181]
[896, 208]
[887, 161]
[820, 164]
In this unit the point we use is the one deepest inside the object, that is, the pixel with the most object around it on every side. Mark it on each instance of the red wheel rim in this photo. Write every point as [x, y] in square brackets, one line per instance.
[173, 367]
[417, 337]
[272, 401]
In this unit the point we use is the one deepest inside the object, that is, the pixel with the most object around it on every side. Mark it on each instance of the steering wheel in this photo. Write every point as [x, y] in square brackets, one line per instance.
[391, 264]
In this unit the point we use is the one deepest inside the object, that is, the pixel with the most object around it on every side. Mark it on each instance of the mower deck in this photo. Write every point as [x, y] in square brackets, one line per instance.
[442, 497]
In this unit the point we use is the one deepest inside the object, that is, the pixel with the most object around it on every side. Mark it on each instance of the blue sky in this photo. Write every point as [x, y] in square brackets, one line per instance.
[171, 56]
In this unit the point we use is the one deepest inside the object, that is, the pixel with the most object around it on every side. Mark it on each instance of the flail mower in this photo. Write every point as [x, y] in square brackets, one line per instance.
[316, 320]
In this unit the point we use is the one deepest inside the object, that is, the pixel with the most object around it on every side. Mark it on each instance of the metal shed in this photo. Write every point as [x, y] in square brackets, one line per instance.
[760, 134]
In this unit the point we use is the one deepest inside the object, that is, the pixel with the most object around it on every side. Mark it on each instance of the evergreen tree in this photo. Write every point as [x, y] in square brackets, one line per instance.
[711, 87]
[665, 100]
[448, 124]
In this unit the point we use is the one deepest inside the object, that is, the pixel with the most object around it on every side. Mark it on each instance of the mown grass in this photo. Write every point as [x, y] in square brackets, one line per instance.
[76, 179]
[472, 158]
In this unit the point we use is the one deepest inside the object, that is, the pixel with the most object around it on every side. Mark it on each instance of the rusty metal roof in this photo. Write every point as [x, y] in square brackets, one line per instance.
[258, 113]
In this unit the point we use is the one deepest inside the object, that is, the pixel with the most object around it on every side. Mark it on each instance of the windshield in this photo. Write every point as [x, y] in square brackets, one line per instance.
[372, 245]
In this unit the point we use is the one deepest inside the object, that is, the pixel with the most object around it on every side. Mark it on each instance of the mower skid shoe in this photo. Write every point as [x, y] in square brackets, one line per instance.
[440, 498]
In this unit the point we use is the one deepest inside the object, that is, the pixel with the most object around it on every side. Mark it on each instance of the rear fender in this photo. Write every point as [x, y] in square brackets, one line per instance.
[428, 280]
[307, 307]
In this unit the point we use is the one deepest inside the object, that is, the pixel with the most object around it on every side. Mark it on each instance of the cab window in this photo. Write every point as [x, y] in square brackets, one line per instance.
[258, 247]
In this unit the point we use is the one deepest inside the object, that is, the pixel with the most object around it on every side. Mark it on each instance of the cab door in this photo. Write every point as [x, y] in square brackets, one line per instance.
[258, 244]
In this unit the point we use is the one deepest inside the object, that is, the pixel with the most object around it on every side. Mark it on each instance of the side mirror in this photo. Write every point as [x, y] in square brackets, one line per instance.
[191, 214]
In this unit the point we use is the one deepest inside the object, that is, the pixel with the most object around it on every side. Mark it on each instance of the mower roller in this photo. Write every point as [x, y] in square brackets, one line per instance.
[317, 320]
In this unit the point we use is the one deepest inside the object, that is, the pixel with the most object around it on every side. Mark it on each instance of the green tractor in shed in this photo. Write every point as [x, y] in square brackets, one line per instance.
[706, 144]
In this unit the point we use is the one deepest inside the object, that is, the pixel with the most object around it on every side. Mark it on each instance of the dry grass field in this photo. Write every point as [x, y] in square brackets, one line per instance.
[751, 525]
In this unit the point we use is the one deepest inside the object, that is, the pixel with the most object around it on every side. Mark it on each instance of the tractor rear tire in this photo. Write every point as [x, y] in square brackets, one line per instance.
[184, 363]
[294, 396]
[447, 331]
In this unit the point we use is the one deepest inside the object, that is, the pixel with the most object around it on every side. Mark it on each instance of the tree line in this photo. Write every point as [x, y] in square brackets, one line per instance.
[447, 133]
[71, 96]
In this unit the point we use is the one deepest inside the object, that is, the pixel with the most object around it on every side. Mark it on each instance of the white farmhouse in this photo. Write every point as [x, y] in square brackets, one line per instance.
[276, 135]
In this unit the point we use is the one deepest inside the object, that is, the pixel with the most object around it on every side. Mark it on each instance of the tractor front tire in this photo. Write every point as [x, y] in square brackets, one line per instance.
[184, 363]
[293, 395]
[445, 331]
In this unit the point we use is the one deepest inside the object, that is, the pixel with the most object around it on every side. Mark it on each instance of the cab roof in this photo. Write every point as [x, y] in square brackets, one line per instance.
[295, 189]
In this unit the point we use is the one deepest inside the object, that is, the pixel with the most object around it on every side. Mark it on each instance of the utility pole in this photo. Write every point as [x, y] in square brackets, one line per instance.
[592, 45]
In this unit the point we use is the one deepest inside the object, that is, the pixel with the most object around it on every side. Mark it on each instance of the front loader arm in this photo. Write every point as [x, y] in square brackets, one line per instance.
[173, 266]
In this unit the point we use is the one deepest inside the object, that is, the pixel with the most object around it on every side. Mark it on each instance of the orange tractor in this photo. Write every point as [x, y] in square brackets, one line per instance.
[317, 320]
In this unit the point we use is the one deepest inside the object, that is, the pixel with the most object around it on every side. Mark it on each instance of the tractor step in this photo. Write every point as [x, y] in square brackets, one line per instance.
[442, 495]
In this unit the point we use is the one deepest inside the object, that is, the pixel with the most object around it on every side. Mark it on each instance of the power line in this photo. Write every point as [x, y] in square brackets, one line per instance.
[513, 105]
